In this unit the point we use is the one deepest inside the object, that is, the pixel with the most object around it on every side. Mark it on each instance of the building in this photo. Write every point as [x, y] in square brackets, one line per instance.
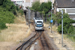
[23, 3]
[19, 3]
[28, 3]
[67, 5]
[46, 1]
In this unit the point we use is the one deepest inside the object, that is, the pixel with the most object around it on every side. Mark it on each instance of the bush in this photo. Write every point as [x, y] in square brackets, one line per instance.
[9, 6]
[2, 26]
[1, 2]
[7, 12]
[59, 28]
[5, 17]
[17, 8]
[67, 27]
[21, 11]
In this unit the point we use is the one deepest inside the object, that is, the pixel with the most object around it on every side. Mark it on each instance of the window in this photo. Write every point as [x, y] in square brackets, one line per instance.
[39, 25]
[19, 2]
[39, 22]
[70, 10]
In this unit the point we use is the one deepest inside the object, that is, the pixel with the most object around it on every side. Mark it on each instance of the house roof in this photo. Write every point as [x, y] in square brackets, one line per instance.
[65, 3]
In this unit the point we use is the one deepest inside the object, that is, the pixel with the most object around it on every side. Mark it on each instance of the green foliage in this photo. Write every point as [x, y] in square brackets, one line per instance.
[2, 26]
[21, 11]
[17, 8]
[36, 6]
[67, 27]
[9, 6]
[6, 16]
[66, 18]
[1, 2]
[59, 28]
[72, 35]
[58, 18]
[7, 11]
[46, 7]
[65, 15]
[43, 8]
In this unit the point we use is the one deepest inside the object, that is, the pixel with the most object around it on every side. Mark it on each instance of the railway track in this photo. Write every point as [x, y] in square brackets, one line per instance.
[44, 44]
[26, 45]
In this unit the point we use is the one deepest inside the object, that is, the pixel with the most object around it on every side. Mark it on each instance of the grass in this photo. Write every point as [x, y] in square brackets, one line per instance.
[71, 38]
[66, 40]
[0, 31]
[1, 38]
[16, 31]
[72, 35]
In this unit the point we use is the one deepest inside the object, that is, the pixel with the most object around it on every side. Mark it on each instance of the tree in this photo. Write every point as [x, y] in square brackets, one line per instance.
[9, 5]
[46, 7]
[57, 18]
[1, 2]
[6, 15]
[36, 6]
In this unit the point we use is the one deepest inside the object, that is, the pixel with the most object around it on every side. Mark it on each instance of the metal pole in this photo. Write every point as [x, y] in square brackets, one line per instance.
[62, 28]
[51, 19]
[29, 16]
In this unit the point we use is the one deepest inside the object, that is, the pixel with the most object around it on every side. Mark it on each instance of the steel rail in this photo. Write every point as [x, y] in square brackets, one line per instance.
[29, 42]
[39, 34]
[25, 42]
[44, 43]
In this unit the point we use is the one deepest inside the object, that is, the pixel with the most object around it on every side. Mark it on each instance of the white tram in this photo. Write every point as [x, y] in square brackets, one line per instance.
[39, 24]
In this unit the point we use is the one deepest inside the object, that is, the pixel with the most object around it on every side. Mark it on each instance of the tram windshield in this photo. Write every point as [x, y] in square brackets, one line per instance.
[39, 25]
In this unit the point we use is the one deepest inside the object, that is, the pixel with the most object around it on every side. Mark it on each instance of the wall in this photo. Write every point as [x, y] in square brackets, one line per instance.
[70, 11]
[67, 10]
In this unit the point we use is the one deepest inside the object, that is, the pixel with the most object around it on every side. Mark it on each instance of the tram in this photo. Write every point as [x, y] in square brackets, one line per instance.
[39, 25]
